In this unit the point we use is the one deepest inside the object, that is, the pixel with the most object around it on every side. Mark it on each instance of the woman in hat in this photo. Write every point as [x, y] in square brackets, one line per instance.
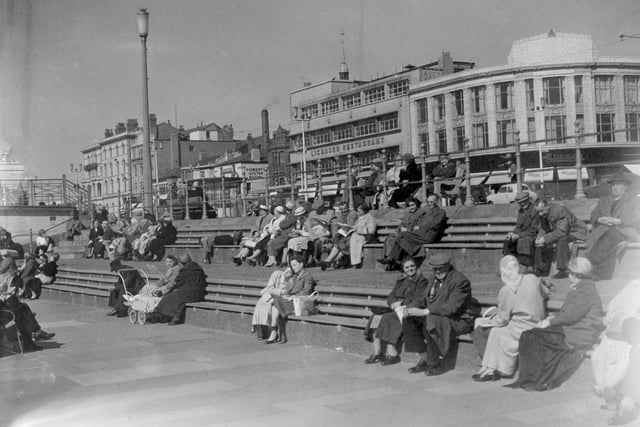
[299, 236]
[166, 235]
[520, 308]
[550, 353]
[410, 181]
[269, 231]
[614, 221]
[259, 233]
[279, 242]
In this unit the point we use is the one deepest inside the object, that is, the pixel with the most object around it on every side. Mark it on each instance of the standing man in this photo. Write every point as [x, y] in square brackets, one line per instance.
[450, 312]
[521, 241]
[559, 226]
[615, 221]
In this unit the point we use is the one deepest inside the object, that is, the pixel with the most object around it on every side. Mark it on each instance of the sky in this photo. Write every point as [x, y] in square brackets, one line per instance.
[69, 69]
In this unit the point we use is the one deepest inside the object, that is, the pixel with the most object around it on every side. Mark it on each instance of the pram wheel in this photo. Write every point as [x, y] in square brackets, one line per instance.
[133, 316]
[142, 317]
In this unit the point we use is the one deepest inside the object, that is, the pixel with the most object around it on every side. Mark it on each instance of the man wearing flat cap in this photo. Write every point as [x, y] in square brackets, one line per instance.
[521, 241]
[450, 312]
[410, 181]
[615, 221]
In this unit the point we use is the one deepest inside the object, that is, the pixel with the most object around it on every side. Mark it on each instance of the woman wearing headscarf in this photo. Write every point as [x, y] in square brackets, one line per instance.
[520, 308]
[550, 353]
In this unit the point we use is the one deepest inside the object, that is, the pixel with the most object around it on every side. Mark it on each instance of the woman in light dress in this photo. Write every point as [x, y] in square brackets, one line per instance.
[262, 318]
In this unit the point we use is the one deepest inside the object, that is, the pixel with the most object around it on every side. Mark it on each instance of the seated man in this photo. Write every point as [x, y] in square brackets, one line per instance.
[559, 226]
[615, 221]
[521, 241]
[133, 282]
[450, 313]
[31, 285]
[410, 181]
[421, 228]
[442, 175]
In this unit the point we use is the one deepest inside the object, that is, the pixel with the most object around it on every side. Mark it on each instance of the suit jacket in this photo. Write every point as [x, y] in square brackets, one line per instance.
[95, 233]
[528, 222]
[433, 222]
[453, 296]
[627, 209]
[412, 219]
[302, 283]
[560, 222]
[446, 171]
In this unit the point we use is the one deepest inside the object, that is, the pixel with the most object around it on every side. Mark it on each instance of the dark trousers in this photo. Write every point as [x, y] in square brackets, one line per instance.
[603, 254]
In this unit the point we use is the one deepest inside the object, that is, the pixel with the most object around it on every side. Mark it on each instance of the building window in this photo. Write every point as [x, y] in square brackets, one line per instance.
[388, 124]
[459, 135]
[478, 96]
[191, 148]
[504, 96]
[374, 95]
[351, 101]
[555, 129]
[398, 88]
[441, 136]
[531, 98]
[438, 107]
[423, 111]
[424, 141]
[458, 102]
[480, 135]
[366, 129]
[531, 129]
[631, 86]
[310, 111]
[329, 107]
[321, 138]
[343, 133]
[604, 127]
[604, 89]
[506, 132]
[577, 82]
[633, 127]
[553, 90]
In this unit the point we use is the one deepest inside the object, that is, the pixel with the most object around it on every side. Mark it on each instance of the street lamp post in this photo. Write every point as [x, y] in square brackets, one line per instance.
[157, 145]
[304, 117]
[518, 162]
[579, 190]
[468, 200]
[79, 195]
[143, 31]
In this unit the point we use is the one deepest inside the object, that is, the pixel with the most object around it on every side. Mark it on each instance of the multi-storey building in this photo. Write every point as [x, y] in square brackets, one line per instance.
[552, 84]
[343, 116]
[278, 158]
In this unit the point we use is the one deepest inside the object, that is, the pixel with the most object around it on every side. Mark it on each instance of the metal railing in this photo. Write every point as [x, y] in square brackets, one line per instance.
[42, 192]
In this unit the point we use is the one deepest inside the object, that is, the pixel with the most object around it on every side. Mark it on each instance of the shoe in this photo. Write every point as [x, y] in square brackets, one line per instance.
[323, 265]
[237, 261]
[31, 346]
[385, 261]
[624, 416]
[374, 358]
[174, 321]
[493, 376]
[390, 360]
[270, 264]
[358, 265]
[420, 367]
[433, 371]
[283, 340]
[43, 336]
[560, 275]
[273, 341]
[112, 312]
[251, 262]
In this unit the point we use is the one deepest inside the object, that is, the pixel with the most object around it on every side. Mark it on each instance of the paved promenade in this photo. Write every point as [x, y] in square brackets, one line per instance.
[101, 371]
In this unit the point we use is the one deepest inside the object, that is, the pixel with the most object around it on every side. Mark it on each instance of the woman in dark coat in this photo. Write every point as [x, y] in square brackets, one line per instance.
[190, 286]
[552, 352]
[410, 181]
[167, 235]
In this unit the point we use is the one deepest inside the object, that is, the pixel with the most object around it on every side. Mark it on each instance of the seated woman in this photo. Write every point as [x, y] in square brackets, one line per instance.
[397, 325]
[520, 308]
[31, 286]
[166, 235]
[549, 354]
[190, 286]
[610, 359]
[355, 236]
[262, 318]
[269, 231]
[26, 322]
[301, 284]
[49, 269]
[167, 282]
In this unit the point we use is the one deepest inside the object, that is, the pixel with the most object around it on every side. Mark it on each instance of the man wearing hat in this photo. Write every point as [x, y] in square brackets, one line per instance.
[410, 181]
[521, 241]
[450, 312]
[133, 282]
[559, 227]
[373, 186]
[445, 170]
[615, 221]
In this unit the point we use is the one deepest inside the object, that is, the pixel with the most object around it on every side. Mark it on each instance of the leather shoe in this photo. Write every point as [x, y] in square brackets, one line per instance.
[433, 371]
[390, 360]
[560, 275]
[374, 358]
[420, 367]
[42, 335]
[493, 376]
[385, 261]
[323, 265]
[112, 312]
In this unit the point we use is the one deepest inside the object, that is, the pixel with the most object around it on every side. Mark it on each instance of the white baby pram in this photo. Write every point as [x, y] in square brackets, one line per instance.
[142, 305]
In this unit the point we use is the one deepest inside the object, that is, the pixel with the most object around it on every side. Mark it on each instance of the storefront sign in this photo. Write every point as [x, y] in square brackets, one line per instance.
[346, 148]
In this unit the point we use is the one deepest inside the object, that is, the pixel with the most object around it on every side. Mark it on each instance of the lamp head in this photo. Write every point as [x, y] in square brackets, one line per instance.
[143, 22]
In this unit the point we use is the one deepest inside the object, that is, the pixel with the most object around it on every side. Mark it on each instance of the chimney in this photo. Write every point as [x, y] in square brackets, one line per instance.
[265, 127]
[108, 133]
[120, 128]
[255, 154]
[446, 63]
[153, 123]
[132, 125]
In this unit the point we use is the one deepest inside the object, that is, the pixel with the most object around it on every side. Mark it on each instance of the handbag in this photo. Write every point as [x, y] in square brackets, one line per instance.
[305, 305]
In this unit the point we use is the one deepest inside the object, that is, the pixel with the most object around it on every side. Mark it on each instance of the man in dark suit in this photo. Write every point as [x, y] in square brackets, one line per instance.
[521, 241]
[559, 227]
[450, 312]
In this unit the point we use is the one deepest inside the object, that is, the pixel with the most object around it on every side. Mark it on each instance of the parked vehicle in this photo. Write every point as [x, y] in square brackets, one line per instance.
[506, 194]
